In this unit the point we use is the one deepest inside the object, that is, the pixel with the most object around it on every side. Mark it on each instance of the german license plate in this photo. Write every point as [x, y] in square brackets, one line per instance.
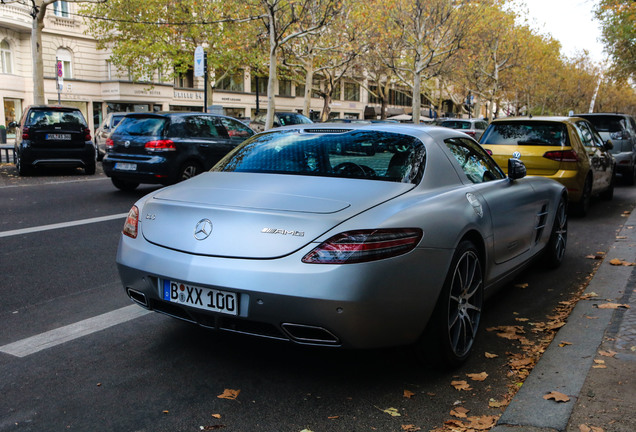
[58, 137]
[124, 166]
[200, 297]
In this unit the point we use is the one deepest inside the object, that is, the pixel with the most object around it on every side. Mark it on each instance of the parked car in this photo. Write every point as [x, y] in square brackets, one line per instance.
[566, 149]
[473, 127]
[287, 239]
[280, 119]
[621, 130]
[167, 147]
[103, 132]
[53, 136]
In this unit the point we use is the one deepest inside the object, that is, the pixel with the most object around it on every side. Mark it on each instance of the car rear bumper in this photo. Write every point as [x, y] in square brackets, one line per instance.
[148, 169]
[364, 305]
[60, 157]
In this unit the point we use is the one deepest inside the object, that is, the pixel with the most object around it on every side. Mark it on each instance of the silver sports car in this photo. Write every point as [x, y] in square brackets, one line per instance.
[304, 234]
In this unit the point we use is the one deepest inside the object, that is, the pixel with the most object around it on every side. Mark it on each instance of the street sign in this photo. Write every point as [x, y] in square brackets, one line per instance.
[198, 61]
[60, 70]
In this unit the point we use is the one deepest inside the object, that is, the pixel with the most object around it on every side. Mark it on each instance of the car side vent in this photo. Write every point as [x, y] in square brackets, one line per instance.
[541, 220]
[326, 131]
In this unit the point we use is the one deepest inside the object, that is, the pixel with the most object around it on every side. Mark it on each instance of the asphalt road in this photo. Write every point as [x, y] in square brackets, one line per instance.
[153, 373]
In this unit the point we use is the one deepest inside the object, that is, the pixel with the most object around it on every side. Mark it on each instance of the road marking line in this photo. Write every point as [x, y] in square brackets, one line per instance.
[49, 339]
[61, 225]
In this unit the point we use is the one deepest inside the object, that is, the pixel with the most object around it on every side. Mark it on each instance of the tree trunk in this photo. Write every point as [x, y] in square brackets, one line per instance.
[417, 95]
[271, 80]
[309, 80]
[36, 53]
[326, 107]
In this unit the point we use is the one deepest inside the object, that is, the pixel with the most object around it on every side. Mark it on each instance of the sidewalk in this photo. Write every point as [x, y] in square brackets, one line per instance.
[597, 369]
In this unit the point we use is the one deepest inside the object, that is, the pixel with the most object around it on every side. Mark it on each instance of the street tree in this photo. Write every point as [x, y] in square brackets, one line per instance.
[618, 24]
[430, 32]
[160, 36]
[38, 13]
[283, 21]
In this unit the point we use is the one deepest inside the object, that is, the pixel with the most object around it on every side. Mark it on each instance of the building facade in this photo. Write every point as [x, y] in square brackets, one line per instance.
[96, 87]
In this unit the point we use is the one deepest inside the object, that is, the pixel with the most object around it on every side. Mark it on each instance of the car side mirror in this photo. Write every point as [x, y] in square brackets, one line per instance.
[13, 124]
[516, 169]
[609, 145]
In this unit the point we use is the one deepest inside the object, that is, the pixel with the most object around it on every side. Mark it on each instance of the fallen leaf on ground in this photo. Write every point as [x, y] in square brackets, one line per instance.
[564, 343]
[586, 428]
[490, 356]
[493, 403]
[165, 411]
[459, 412]
[613, 306]
[478, 376]
[229, 394]
[410, 428]
[461, 385]
[521, 285]
[216, 416]
[557, 396]
[392, 411]
[588, 295]
[408, 394]
[608, 353]
[482, 423]
[211, 427]
[333, 417]
[618, 262]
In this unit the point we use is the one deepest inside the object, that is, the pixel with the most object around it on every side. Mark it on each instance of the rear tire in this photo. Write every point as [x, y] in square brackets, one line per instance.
[23, 170]
[555, 249]
[581, 208]
[123, 184]
[629, 178]
[90, 167]
[608, 194]
[455, 321]
[188, 170]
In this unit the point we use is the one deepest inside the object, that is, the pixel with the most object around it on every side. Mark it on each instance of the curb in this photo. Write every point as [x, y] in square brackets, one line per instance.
[564, 369]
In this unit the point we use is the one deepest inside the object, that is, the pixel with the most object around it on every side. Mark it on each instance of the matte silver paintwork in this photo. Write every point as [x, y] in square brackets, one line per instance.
[373, 304]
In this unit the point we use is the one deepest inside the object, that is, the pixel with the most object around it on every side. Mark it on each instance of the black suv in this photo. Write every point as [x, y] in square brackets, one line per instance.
[167, 147]
[53, 136]
[621, 130]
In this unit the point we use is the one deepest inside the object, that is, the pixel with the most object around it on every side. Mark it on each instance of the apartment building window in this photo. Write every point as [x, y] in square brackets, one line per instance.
[352, 92]
[6, 58]
[231, 81]
[66, 58]
[300, 90]
[262, 84]
[60, 8]
[400, 98]
[337, 91]
[373, 91]
[284, 88]
[185, 80]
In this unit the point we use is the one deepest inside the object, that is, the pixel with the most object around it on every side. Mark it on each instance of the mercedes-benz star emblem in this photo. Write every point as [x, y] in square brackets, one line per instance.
[516, 155]
[203, 229]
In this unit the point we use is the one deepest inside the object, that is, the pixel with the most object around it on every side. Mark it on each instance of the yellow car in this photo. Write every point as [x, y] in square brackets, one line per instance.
[566, 149]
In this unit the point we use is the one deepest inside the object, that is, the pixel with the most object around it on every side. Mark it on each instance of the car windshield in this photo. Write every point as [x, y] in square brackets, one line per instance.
[141, 126]
[522, 133]
[606, 123]
[45, 117]
[292, 119]
[331, 153]
[456, 124]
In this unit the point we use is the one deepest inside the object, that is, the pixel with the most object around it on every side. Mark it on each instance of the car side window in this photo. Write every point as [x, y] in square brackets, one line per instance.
[585, 134]
[236, 128]
[478, 166]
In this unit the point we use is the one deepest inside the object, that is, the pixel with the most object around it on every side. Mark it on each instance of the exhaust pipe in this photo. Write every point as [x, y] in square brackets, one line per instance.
[137, 297]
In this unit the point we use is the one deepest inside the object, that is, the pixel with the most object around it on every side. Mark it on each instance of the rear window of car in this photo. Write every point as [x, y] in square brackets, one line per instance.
[530, 133]
[358, 154]
[142, 126]
[44, 117]
[606, 123]
[455, 124]
[292, 119]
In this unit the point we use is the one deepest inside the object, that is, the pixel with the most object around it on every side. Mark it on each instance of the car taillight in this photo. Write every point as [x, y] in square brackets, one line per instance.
[489, 151]
[364, 245]
[109, 143]
[131, 224]
[87, 134]
[471, 133]
[562, 156]
[25, 133]
[160, 145]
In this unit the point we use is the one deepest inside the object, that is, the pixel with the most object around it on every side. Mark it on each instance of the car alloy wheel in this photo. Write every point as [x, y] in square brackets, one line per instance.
[189, 170]
[464, 303]
[555, 250]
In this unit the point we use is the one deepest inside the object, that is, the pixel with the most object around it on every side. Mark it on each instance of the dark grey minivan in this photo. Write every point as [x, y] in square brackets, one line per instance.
[167, 147]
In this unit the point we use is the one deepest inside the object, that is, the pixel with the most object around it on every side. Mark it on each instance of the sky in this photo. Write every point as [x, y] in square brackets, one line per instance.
[571, 22]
